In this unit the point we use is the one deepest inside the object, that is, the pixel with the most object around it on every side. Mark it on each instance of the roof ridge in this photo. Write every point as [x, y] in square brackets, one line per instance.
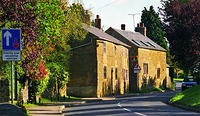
[136, 36]
[102, 35]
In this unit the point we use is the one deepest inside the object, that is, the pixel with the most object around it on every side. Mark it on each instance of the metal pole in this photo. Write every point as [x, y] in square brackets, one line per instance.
[15, 74]
[12, 83]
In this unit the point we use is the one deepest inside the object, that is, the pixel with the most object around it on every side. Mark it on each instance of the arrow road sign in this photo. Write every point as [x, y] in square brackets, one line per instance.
[11, 44]
[7, 35]
[11, 39]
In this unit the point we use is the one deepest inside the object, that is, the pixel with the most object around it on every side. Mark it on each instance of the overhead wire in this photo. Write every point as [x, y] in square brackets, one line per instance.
[106, 5]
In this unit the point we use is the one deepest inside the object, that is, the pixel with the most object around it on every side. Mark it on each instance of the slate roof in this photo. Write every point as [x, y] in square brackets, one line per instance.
[138, 39]
[102, 35]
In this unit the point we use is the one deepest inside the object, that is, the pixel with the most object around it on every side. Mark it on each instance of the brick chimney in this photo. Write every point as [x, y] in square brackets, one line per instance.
[87, 17]
[141, 29]
[123, 27]
[98, 22]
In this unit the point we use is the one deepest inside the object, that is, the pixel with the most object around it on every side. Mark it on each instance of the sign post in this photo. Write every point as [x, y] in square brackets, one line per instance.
[11, 46]
[136, 68]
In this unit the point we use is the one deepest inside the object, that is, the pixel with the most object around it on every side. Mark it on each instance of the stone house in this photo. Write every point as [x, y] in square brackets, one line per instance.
[150, 57]
[100, 65]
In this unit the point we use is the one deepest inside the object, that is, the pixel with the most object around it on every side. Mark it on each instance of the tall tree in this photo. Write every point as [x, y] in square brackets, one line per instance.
[182, 27]
[153, 24]
[20, 14]
[47, 26]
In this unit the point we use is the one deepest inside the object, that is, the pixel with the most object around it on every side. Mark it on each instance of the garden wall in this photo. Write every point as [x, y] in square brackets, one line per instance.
[4, 90]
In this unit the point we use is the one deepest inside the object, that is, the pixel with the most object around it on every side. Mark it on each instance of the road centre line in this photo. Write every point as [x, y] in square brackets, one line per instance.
[127, 109]
[130, 110]
[140, 114]
[123, 108]
[119, 105]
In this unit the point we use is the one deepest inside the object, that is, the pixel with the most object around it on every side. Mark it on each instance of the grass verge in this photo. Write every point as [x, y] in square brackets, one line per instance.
[51, 100]
[175, 79]
[190, 97]
[60, 99]
[150, 90]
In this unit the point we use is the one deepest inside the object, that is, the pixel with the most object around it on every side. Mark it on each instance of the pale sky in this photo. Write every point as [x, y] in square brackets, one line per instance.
[113, 13]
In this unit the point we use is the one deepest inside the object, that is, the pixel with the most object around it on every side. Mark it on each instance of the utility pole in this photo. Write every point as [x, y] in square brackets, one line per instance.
[134, 19]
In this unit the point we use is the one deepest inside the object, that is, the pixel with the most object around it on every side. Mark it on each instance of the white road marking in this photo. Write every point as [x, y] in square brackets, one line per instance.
[123, 108]
[119, 105]
[130, 110]
[140, 114]
[127, 109]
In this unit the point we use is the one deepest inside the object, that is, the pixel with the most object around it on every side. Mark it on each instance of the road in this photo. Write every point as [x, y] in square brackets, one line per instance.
[143, 105]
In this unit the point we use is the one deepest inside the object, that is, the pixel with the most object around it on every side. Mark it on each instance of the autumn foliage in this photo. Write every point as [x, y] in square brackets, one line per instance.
[182, 27]
[21, 14]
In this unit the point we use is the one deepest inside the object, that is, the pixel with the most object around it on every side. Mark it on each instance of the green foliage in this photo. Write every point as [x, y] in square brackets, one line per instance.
[58, 73]
[45, 39]
[189, 97]
[51, 20]
[75, 16]
[61, 99]
[175, 79]
[39, 86]
[153, 24]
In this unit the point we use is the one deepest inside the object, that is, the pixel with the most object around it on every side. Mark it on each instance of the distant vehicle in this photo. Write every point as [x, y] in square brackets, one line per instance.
[188, 82]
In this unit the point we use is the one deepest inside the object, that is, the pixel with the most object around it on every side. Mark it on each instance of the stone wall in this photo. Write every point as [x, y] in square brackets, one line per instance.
[87, 70]
[112, 60]
[168, 79]
[133, 51]
[83, 70]
[4, 90]
[155, 59]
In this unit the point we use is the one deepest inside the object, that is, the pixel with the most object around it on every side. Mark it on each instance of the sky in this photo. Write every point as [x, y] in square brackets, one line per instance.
[113, 13]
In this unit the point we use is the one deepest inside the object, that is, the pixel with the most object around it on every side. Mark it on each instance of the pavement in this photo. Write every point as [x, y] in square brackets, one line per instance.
[7, 109]
[52, 109]
[55, 109]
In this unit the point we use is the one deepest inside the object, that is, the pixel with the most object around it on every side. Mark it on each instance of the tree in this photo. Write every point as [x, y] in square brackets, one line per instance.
[182, 26]
[62, 23]
[153, 24]
[20, 14]
[47, 26]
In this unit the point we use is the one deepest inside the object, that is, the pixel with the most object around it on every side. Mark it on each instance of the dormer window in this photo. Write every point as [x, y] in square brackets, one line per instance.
[151, 44]
[137, 42]
[144, 43]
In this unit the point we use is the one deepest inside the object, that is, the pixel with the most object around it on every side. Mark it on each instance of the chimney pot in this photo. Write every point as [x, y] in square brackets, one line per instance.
[141, 24]
[97, 17]
[87, 17]
[141, 29]
[123, 27]
[138, 25]
[98, 22]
